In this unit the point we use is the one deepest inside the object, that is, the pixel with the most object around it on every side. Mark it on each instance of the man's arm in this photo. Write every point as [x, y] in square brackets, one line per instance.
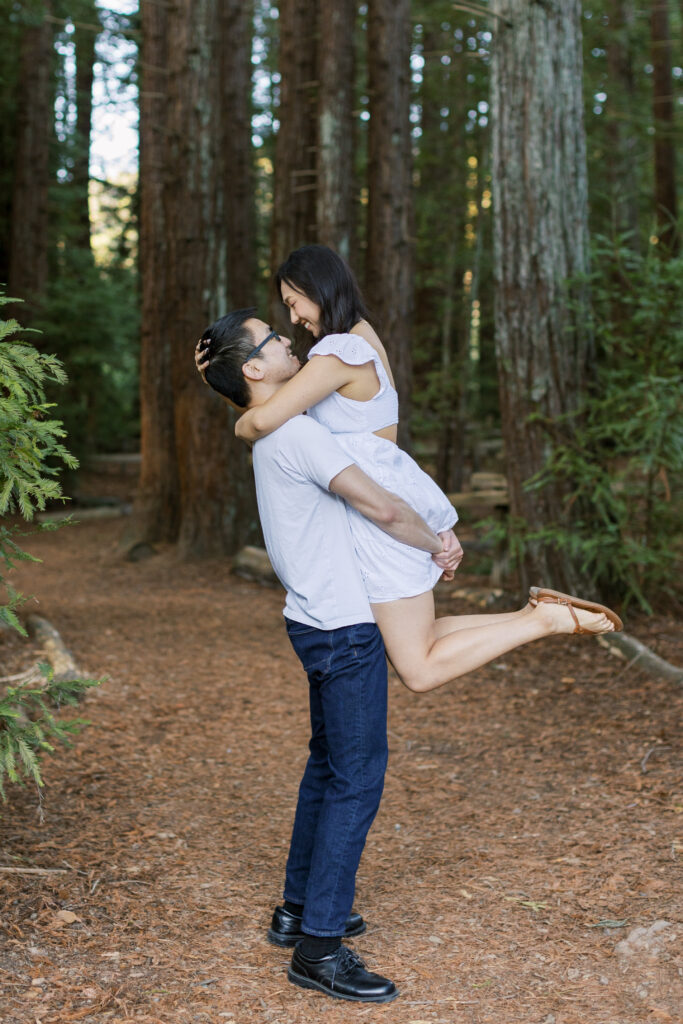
[386, 510]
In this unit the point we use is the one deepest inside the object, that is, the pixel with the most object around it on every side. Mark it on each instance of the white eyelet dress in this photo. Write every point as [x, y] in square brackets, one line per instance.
[390, 570]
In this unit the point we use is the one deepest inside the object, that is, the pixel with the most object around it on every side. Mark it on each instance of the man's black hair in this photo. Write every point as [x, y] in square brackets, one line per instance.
[229, 344]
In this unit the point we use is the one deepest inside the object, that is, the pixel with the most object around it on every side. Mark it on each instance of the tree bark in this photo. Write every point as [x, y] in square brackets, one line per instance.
[391, 245]
[335, 126]
[238, 185]
[194, 482]
[295, 172]
[540, 240]
[240, 226]
[28, 260]
[196, 238]
[663, 113]
[155, 512]
[84, 40]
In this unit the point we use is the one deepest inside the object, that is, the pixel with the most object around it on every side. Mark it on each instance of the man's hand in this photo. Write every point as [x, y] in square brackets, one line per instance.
[201, 358]
[451, 556]
[386, 510]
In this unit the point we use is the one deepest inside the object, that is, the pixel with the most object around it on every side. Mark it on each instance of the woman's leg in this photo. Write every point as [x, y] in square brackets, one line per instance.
[451, 623]
[424, 657]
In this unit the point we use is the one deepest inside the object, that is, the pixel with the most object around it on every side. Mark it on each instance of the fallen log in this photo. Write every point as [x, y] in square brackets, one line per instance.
[56, 651]
[252, 563]
[636, 653]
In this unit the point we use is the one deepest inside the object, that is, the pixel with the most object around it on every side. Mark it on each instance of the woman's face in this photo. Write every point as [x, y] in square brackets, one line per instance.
[302, 310]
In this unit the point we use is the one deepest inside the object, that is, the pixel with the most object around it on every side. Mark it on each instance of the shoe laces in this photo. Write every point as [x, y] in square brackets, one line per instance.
[348, 961]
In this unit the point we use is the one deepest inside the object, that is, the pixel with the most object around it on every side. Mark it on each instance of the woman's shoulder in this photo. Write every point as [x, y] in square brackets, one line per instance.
[350, 348]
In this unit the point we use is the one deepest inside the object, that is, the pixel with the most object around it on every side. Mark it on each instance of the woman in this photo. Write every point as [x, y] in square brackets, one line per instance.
[347, 386]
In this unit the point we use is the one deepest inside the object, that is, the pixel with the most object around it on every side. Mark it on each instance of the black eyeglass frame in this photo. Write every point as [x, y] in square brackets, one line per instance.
[255, 351]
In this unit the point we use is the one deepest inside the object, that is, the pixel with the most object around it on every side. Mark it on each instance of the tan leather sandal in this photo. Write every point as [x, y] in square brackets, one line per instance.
[556, 597]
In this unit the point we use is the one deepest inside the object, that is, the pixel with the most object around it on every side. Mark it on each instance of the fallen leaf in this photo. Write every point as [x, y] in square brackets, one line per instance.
[67, 916]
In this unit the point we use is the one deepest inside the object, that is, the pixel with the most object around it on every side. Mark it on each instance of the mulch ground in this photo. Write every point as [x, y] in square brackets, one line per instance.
[525, 865]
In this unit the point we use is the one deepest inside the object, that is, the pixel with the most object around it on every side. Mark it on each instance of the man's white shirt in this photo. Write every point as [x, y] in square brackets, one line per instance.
[305, 525]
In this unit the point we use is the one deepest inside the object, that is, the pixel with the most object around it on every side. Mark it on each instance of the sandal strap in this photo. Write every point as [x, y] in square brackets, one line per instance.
[578, 628]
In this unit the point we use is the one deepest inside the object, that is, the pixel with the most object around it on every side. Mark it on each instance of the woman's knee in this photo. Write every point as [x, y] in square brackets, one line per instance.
[415, 680]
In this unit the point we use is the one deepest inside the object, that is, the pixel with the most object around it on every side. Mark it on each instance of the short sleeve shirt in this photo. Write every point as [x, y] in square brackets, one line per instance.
[305, 525]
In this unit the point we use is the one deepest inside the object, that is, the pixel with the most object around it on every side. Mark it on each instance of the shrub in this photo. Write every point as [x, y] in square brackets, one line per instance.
[622, 453]
[31, 454]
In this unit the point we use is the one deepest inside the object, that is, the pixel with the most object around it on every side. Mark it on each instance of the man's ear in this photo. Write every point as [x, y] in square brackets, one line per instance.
[253, 370]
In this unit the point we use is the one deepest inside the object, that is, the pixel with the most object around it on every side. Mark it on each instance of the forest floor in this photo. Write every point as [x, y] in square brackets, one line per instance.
[525, 865]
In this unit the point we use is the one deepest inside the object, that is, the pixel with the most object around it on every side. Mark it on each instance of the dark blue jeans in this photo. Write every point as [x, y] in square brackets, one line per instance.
[342, 784]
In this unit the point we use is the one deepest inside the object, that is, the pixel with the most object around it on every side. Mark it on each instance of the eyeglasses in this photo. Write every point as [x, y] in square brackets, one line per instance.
[255, 351]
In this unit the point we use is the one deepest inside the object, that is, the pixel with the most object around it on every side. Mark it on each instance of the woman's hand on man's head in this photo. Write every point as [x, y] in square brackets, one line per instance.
[201, 357]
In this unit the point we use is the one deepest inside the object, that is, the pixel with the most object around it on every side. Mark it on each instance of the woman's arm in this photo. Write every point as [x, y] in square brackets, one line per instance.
[316, 380]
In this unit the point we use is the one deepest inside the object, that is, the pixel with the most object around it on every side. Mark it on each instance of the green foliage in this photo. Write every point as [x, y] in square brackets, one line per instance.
[90, 315]
[31, 451]
[622, 455]
[29, 438]
[28, 725]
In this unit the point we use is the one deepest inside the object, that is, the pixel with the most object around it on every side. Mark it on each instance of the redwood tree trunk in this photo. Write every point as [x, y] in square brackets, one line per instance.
[240, 227]
[295, 174]
[663, 113]
[84, 38]
[196, 238]
[29, 227]
[390, 253]
[238, 184]
[335, 126]
[155, 513]
[193, 480]
[540, 240]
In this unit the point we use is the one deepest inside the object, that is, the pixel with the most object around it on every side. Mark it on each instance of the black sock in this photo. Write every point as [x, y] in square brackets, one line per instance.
[317, 946]
[297, 909]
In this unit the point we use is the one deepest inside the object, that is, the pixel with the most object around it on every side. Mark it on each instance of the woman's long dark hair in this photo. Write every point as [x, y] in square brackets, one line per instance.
[326, 279]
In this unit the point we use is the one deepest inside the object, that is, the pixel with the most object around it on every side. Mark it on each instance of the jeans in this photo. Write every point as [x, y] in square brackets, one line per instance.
[342, 784]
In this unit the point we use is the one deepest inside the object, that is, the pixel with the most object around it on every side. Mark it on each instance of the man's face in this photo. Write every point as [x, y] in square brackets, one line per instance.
[279, 361]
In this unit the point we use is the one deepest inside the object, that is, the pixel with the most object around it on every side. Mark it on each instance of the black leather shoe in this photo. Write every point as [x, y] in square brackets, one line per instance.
[341, 974]
[285, 928]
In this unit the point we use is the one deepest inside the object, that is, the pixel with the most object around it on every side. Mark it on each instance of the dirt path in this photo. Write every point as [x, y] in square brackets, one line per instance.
[531, 821]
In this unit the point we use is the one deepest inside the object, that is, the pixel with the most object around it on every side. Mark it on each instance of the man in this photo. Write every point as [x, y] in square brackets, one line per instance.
[301, 476]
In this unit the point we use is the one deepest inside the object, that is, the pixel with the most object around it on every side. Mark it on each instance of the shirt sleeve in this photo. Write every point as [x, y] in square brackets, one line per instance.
[308, 450]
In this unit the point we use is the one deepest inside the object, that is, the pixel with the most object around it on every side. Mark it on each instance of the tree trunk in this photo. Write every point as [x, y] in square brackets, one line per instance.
[196, 240]
[29, 243]
[238, 187]
[390, 253]
[155, 513]
[335, 126]
[540, 240]
[84, 39]
[295, 174]
[621, 167]
[240, 226]
[663, 114]
[194, 475]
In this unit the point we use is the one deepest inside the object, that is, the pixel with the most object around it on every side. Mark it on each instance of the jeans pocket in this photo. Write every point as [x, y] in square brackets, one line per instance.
[314, 647]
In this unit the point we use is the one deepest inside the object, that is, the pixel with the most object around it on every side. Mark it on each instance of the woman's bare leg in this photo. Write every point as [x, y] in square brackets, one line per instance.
[424, 659]
[451, 623]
